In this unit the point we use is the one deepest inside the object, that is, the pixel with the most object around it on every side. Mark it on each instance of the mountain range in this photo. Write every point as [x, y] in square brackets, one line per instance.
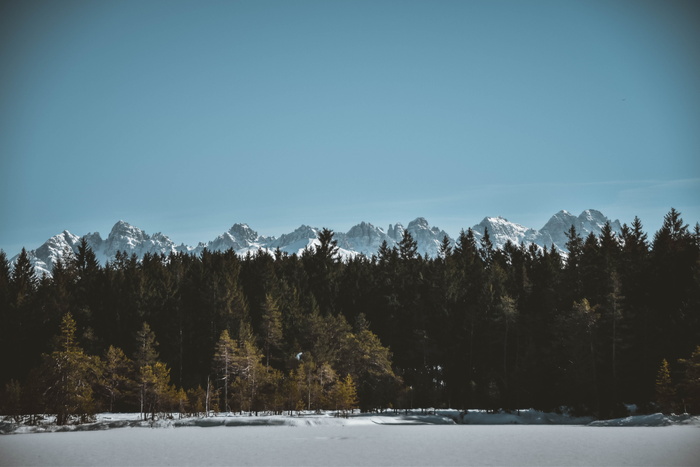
[364, 238]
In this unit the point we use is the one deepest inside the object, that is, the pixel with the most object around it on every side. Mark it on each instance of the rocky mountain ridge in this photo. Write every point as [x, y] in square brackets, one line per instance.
[363, 238]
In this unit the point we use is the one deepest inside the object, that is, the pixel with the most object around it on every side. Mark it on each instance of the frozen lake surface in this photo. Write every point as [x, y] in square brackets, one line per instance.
[361, 444]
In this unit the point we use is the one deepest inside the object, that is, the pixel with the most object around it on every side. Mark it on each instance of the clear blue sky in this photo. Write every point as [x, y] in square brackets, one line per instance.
[188, 116]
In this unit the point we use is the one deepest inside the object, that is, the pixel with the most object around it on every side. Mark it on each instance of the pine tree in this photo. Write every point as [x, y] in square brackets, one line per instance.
[69, 375]
[22, 280]
[158, 394]
[9, 325]
[250, 375]
[371, 370]
[690, 386]
[85, 261]
[4, 292]
[344, 395]
[146, 353]
[327, 249]
[225, 363]
[145, 357]
[271, 327]
[486, 247]
[665, 392]
[674, 315]
[445, 248]
[508, 314]
[116, 379]
[572, 271]
[322, 265]
[408, 247]
[11, 400]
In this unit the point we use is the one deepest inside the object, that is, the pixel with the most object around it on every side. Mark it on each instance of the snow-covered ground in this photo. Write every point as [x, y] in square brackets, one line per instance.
[387, 439]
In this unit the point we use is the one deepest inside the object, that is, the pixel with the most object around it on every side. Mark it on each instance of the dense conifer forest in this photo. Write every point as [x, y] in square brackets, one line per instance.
[615, 321]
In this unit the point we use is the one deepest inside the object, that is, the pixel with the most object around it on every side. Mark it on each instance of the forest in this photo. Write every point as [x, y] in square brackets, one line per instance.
[615, 321]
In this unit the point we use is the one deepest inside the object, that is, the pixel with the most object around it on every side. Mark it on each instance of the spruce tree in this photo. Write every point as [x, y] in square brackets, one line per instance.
[408, 247]
[116, 380]
[69, 375]
[445, 248]
[665, 391]
[145, 357]
[271, 327]
[690, 385]
[225, 363]
[344, 395]
[23, 280]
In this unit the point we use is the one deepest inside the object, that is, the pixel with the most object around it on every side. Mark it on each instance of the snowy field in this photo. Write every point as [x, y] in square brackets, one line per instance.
[364, 441]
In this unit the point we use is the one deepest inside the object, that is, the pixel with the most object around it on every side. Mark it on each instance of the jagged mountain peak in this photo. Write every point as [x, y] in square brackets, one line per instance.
[243, 231]
[363, 238]
[395, 232]
[419, 223]
[124, 228]
[501, 231]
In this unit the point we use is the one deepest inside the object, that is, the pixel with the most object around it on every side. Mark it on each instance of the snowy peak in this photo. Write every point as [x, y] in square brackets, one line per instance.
[589, 221]
[240, 237]
[363, 238]
[501, 231]
[59, 247]
[419, 223]
[132, 240]
[244, 233]
[427, 238]
[395, 232]
[301, 237]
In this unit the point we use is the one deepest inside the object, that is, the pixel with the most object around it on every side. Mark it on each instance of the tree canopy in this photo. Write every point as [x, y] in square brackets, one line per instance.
[616, 320]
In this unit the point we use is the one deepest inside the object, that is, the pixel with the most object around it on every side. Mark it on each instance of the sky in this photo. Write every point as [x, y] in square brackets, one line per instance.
[185, 117]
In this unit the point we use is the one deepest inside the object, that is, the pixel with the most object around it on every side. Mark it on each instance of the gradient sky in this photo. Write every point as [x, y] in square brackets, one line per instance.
[188, 116]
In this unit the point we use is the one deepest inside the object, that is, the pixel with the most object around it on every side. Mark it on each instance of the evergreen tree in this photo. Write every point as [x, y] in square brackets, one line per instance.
[11, 400]
[250, 376]
[145, 359]
[673, 259]
[344, 395]
[22, 280]
[4, 286]
[639, 360]
[408, 247]
[445, 248]
[271, 327]
[68, 377]
[116, 380]
[322, 266]
[475, 327]
[486, 249]
[158, 395]
[665, 392]
[572, 276]
[225, 364]
[9, 324]
[327, 249]
[690, 385]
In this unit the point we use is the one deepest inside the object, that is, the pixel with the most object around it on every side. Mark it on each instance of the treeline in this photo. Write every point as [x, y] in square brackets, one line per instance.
[617, 320]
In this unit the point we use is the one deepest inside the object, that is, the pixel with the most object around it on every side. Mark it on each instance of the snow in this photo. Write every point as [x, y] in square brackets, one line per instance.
[656, 419]
[105, 421]
[361, 239]
[363, 440]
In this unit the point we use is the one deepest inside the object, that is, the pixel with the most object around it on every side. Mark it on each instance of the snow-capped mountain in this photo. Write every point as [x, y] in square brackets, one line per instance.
[58, 247]
[240, 238]
[364, 238]
[553, 232]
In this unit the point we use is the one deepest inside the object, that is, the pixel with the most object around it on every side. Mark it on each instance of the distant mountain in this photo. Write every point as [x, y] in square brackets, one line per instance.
[553, 232]
[364, 238]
